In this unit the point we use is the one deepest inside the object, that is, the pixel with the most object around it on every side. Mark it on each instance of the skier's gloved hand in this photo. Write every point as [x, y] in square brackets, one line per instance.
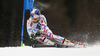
[32, 37]
[39, 32]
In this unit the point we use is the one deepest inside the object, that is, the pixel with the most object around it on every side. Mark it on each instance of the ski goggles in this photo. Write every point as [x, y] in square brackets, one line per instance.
[34, 19]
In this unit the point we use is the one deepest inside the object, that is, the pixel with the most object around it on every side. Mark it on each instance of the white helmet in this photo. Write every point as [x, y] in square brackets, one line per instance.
[35, 15]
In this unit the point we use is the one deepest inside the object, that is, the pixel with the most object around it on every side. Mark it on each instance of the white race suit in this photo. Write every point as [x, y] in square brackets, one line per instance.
[42, 25]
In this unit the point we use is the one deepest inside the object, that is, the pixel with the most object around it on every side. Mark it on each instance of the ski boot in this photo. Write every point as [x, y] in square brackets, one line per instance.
[48, 42]
[68, 43]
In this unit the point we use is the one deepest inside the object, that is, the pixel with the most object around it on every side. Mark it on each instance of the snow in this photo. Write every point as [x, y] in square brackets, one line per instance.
[29, 51]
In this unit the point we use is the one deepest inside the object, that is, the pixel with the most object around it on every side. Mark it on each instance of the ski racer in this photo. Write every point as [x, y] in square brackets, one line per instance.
[38, 30]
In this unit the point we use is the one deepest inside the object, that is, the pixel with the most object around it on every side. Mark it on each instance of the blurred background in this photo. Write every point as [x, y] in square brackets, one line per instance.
[76, 20]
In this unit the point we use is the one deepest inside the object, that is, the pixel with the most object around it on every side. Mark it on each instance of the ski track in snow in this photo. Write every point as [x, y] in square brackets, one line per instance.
[29, 51]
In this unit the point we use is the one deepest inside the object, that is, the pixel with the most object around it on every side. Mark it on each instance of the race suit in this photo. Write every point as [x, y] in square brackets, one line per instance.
[41, 25]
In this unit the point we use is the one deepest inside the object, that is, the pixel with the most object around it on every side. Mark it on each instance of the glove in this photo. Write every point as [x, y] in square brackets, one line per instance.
[39, 32]
[32, 37]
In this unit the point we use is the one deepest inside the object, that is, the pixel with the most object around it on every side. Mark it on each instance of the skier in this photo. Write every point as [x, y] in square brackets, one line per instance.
[38, 30]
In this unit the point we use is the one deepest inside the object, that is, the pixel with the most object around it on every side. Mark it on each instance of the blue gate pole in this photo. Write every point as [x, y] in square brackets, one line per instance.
[23, 25]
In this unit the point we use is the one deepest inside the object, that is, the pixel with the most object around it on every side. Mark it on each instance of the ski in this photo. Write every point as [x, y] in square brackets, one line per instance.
[57, 46]
[74, 44]
[41, 45]
[60, 45]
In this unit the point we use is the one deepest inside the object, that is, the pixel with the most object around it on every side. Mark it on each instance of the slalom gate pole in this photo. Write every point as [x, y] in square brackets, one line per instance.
[23, 25]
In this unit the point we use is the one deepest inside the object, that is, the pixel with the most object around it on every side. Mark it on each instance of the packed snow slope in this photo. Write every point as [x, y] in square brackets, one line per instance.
[29, 51]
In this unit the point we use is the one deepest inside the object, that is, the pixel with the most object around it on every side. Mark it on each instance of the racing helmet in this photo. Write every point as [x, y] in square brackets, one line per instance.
[35, 15]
